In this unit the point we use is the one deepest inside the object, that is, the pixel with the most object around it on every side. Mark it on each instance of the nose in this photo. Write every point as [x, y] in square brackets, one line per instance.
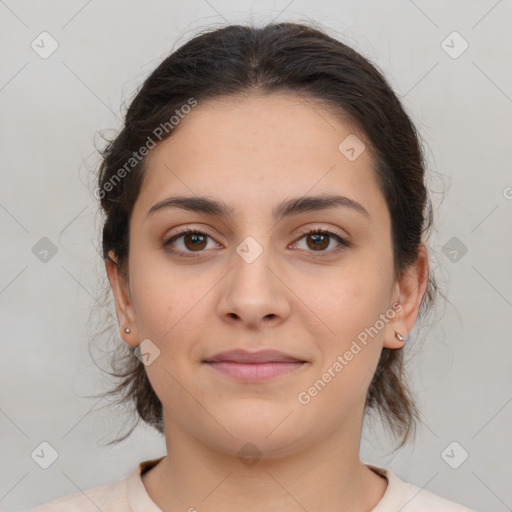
[254, 293]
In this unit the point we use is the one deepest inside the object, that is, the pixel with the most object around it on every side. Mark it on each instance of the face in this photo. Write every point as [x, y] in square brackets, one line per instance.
[247, 276]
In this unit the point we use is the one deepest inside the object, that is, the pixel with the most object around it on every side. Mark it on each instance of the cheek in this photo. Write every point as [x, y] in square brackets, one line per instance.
[156, 301]
[172, 300]
[349, 358]
[351, 299]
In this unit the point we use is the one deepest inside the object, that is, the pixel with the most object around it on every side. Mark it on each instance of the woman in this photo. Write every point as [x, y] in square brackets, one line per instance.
[265, 213]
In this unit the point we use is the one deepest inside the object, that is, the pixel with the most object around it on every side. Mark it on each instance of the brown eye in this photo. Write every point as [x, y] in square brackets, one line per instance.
[189, 242]
[195, 241]
[318, 240]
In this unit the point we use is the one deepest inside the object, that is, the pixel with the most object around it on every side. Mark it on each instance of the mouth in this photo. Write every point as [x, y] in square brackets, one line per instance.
[254, 366]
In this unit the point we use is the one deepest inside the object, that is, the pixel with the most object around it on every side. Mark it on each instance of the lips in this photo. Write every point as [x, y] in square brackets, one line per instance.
[254, 366]
[245, 357]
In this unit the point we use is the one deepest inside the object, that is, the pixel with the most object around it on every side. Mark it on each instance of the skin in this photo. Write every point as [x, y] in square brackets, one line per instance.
[252, 154]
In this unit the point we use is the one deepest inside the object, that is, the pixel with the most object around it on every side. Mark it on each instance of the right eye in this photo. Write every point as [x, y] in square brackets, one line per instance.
[193, 241]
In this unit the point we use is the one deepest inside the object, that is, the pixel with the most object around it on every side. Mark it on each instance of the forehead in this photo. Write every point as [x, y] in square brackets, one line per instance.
[254, 150]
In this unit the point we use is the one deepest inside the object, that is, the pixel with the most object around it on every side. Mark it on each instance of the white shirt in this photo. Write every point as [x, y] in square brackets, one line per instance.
[128, 494]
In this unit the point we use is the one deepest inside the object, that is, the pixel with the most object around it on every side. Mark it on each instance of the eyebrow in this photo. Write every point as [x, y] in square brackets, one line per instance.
[293, 206]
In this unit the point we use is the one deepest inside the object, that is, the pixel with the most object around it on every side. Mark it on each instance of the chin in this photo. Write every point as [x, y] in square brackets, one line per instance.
[275, 431]
[256, 444]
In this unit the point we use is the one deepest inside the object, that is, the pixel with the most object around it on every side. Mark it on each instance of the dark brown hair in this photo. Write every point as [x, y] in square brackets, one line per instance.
[283, 57]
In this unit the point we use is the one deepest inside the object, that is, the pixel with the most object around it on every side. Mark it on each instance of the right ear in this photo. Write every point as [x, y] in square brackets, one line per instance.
[124, 306]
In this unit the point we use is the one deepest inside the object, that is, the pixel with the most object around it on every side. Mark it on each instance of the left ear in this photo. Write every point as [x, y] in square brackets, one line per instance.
[408, 292]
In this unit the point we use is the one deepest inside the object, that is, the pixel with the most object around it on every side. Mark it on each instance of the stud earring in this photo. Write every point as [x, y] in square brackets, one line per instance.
[127, 330]
[399, 336]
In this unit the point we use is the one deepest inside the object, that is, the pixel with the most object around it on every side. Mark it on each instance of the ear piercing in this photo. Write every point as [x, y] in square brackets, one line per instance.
[127, 330]
[399, 336]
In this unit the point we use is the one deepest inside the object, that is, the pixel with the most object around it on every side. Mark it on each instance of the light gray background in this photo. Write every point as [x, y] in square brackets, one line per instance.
[52, 112]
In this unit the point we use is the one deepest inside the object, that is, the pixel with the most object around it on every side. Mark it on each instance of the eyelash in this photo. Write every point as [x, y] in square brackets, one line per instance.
[194, 254]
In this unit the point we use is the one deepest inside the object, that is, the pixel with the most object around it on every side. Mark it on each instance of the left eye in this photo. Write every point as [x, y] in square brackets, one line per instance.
[318, 240]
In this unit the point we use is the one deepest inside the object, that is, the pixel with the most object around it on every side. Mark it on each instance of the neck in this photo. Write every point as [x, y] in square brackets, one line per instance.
[324, 476]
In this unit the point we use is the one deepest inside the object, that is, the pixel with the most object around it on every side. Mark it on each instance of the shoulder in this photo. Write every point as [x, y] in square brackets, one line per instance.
[109, 497]
[406, 497]
[421, 500]
[124, 495]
